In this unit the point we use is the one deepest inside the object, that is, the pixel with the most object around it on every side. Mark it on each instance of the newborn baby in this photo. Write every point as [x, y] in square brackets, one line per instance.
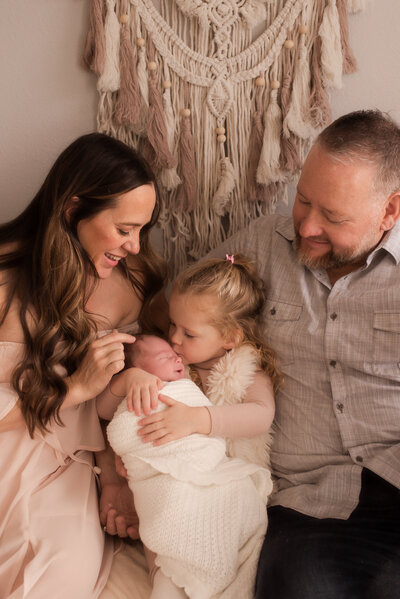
[199, 511]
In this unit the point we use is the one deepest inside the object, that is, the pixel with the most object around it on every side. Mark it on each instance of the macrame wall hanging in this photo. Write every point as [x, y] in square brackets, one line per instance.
[225, 120]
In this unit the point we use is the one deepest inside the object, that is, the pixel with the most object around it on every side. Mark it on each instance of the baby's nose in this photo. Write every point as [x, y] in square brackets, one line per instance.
[178, 359]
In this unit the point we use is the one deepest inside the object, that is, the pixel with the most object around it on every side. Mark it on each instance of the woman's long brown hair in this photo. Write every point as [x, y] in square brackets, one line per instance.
[48, 272]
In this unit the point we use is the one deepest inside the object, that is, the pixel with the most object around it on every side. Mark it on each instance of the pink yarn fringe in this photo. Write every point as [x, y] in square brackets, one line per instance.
[127, 106]
[349, 60]
[95, 45]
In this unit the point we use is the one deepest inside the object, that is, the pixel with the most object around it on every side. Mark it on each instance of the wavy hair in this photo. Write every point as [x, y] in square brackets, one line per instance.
[51, 276]
[240, 301]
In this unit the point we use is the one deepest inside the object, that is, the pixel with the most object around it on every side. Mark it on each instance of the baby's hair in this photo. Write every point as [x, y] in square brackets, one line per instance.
[240, 291]
[133, 350]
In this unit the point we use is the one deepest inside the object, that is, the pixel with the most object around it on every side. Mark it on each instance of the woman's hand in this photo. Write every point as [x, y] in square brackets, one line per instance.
[104, 358]
[117, 510]
[140, 389]
[177, 421]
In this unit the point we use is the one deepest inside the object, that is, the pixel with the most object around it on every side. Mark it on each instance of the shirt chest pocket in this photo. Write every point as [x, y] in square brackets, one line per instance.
[386, 327]
[280, 328]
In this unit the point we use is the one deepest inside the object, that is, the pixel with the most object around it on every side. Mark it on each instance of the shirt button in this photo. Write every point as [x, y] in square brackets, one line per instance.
[333, 316]
[340, 407]
[359, 459]
[332, 363]
[97, 469]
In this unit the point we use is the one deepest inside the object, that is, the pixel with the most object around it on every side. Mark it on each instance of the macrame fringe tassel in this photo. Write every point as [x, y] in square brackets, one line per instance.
[227, 182]
[187, 191]
[320, 111]
[349, 60]
[156, 128]
[331, 48]
[127, 106]
[255, 191]
[354, 6]
[268, 166]
[95, 44]
[169, 178]
[110, 78]
[298, 115]
[289, 158]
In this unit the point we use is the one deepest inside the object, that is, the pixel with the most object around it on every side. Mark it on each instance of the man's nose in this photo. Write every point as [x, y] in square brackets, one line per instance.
[311, 226]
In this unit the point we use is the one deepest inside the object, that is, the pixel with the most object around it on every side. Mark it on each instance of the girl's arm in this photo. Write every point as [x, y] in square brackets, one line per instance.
[252, 417]
[248, 419]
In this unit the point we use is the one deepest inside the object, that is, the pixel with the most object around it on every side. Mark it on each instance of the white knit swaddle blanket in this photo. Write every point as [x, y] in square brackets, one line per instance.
[199, 510]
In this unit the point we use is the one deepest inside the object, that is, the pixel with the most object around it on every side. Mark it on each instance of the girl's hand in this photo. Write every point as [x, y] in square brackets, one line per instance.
[178, 421]
[104, 358]
[141, 390]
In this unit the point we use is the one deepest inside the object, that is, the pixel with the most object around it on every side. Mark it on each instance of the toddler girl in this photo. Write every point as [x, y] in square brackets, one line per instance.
[215, 309]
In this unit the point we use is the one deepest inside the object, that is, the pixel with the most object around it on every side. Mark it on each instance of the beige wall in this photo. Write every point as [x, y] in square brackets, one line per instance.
[47, 98]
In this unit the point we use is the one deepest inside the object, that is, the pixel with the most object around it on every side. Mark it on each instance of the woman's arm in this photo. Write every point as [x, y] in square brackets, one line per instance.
[104, 358]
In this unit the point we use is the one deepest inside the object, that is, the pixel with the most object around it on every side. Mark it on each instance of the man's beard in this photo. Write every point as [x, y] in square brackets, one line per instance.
[333, 258]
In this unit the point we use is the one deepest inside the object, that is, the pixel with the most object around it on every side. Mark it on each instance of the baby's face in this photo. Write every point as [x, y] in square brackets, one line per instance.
[157, 357]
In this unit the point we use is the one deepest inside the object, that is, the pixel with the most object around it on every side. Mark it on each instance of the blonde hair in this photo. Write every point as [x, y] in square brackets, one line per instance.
[241, 299]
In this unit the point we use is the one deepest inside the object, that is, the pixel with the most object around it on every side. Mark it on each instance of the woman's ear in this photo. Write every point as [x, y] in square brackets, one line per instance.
[70, 206]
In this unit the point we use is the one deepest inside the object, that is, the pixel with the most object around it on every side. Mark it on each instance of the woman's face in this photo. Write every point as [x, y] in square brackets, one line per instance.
[113, 233]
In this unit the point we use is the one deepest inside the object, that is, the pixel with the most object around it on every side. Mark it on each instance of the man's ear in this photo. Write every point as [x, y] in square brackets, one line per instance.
[69, 207]
[392, 211]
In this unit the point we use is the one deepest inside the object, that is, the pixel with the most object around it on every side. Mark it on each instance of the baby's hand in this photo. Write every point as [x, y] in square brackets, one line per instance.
[141, 389]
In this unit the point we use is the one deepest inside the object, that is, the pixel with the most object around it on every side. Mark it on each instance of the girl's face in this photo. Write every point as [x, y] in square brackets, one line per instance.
[113, 233]
[192, 336]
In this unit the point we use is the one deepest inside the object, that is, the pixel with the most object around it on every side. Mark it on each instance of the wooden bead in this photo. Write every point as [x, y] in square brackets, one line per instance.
[166, 84]
[221, 138]
[220, 130]
[260, 82]
[124, 19]
[275, 84]
[289, 44]
[140, 41]
[303, 29]
[152, 66]
[185, 112]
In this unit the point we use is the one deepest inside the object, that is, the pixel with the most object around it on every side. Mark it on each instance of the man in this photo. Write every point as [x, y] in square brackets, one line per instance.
[332, 275]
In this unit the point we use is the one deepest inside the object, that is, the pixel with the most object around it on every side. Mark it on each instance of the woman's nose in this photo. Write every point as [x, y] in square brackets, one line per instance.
[132, 245]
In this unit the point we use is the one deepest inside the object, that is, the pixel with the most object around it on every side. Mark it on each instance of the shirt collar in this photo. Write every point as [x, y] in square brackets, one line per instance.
[284, 226]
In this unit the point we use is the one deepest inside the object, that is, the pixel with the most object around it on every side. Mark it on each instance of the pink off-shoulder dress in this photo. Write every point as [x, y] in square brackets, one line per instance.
[51, 540]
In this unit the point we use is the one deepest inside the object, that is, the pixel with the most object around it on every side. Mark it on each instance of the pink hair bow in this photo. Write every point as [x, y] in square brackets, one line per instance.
[230, 257]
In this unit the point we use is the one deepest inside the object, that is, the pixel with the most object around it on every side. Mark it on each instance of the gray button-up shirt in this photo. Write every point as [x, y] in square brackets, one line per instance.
[339, 349]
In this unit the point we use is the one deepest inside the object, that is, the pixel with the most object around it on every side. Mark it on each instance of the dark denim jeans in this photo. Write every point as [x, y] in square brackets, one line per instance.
[358, 558]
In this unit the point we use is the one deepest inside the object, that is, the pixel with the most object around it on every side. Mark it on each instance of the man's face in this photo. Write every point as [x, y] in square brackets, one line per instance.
[337, 216]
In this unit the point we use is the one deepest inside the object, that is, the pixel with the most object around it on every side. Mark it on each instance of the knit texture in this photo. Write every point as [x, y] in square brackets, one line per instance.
[199, 510]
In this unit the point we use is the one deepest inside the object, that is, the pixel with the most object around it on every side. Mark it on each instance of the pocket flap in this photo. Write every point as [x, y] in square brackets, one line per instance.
[387, 321]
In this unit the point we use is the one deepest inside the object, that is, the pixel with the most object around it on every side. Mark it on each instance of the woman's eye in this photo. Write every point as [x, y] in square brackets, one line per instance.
[121, 232]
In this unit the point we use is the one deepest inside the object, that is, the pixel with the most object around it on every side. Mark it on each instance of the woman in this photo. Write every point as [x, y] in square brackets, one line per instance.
[77, 273]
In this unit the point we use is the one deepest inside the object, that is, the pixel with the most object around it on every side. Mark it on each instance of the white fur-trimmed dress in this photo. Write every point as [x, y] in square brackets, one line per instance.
[201, 512]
